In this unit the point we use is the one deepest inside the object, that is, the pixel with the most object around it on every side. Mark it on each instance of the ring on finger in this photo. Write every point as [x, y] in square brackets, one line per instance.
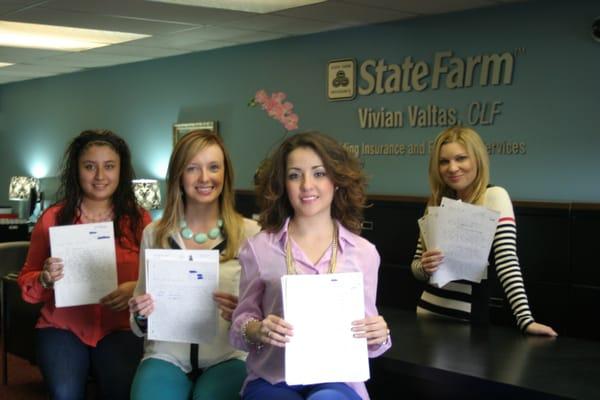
[269, 334]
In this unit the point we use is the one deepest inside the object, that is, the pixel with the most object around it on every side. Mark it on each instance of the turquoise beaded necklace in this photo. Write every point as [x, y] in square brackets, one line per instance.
[201, 237]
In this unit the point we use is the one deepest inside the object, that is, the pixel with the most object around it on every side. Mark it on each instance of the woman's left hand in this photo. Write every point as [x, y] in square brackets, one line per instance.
[226, 303]
[375, 329]
[540, 329]
[117, 299]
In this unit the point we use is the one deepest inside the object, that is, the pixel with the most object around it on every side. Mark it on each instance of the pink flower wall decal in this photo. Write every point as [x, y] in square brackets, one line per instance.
[276, 108]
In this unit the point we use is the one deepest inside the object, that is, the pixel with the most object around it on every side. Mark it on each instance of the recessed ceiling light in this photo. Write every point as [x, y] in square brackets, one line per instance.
[37, 36]
[256, 6]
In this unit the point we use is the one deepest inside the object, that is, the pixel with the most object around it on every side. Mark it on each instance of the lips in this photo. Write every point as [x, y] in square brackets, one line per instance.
[455, 178]
[308, 199]
[205, 189]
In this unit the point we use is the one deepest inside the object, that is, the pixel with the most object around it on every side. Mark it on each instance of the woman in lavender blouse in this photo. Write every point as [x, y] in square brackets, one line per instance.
[312, 193]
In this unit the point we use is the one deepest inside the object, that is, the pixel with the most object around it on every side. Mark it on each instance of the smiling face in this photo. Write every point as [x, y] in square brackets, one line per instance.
[203, 176]
[457, 168]
[99, 170]
[309, 188]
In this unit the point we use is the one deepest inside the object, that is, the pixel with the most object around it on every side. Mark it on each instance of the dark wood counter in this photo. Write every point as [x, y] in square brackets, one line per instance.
[448, 359]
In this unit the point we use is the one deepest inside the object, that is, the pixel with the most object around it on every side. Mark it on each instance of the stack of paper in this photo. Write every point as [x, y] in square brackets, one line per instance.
[321, 309]
[464, 233]
[182, 283]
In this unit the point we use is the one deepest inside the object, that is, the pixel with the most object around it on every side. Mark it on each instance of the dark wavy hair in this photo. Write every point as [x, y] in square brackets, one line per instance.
[69, 193]
[341, 167]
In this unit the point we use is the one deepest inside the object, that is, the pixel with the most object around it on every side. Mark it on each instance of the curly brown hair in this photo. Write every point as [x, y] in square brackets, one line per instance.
[342, 168]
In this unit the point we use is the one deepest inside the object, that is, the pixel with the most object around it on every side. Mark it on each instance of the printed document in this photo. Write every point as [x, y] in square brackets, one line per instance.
[464, 233]
[321, 309]
[90, 262]
[182, 283]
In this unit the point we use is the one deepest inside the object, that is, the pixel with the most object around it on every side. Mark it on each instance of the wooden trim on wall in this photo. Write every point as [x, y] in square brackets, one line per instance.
[516, 203]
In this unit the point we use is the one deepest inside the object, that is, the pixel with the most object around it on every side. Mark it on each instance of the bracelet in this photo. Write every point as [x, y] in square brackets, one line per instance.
[245, 334]
[387, 339]
[139, 317]
[43, 283]
[425, 274]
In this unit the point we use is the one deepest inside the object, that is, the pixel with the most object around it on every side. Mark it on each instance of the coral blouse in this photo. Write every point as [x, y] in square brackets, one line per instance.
[90, 323]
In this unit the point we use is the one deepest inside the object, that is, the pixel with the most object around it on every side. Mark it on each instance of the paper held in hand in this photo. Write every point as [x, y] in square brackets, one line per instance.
[464, 233]
[90, 262]
[321, 309]
[182, 283]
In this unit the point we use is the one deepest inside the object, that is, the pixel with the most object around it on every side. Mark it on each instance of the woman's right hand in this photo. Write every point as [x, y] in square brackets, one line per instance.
[272, 330]
[52, 271]
[430, 260]
[142, 305]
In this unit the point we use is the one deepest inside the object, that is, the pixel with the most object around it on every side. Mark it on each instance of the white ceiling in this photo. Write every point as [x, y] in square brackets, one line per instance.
[179, 29]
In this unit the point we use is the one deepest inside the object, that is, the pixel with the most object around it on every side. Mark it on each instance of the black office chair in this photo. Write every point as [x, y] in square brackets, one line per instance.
[12, 256]
[18, 317]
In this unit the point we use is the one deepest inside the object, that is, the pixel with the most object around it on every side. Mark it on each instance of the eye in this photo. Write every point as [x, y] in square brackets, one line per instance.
[293, 176]
[461, 158]
[320, 173]
[443, 162]
[89, 167]
[191, 168]
[110, 167]
[214, 167]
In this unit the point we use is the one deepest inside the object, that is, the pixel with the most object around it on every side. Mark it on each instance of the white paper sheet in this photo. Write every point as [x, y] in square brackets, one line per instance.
[321, 309]
[182, 283]
[90, 262]
[464, 232]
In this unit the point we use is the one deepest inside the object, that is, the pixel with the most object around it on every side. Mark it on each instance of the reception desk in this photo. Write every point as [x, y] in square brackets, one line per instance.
[447, 359]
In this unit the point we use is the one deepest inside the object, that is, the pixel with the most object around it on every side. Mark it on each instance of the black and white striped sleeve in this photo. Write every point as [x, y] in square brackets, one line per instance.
[506, 260]
[415, 266]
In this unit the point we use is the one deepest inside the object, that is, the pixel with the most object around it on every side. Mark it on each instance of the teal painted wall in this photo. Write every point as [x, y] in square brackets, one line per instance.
[551, 105]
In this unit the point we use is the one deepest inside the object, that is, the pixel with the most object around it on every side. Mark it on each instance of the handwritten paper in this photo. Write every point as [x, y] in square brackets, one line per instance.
[321, 309]
[182, 283]
[464, 233]
[90, 262]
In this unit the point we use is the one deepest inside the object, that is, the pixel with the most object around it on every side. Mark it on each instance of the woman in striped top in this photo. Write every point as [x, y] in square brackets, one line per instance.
[459, 169]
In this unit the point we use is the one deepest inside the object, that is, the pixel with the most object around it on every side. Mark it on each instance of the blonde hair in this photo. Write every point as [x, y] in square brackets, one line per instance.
[185, 149]
[475, 148]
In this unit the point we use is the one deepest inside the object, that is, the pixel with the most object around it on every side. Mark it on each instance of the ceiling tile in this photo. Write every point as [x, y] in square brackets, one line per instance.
[149, 10]
[41, 15]
[38, 69]
[90, 60]
[346, 13]
[282, 24]
[18, 54]
[138, 51]
[422, 7]
[8, 6]
[189, 38]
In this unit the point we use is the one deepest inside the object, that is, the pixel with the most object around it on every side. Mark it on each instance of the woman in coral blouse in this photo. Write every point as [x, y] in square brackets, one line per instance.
[76, 342]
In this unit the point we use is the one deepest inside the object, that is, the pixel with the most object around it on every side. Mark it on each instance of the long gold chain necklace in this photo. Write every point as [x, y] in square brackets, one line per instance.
[289, 259]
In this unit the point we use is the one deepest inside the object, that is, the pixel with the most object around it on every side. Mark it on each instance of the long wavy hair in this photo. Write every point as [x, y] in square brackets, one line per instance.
[70, 194]
[341, 167]
[475, 148]
[184, 151]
